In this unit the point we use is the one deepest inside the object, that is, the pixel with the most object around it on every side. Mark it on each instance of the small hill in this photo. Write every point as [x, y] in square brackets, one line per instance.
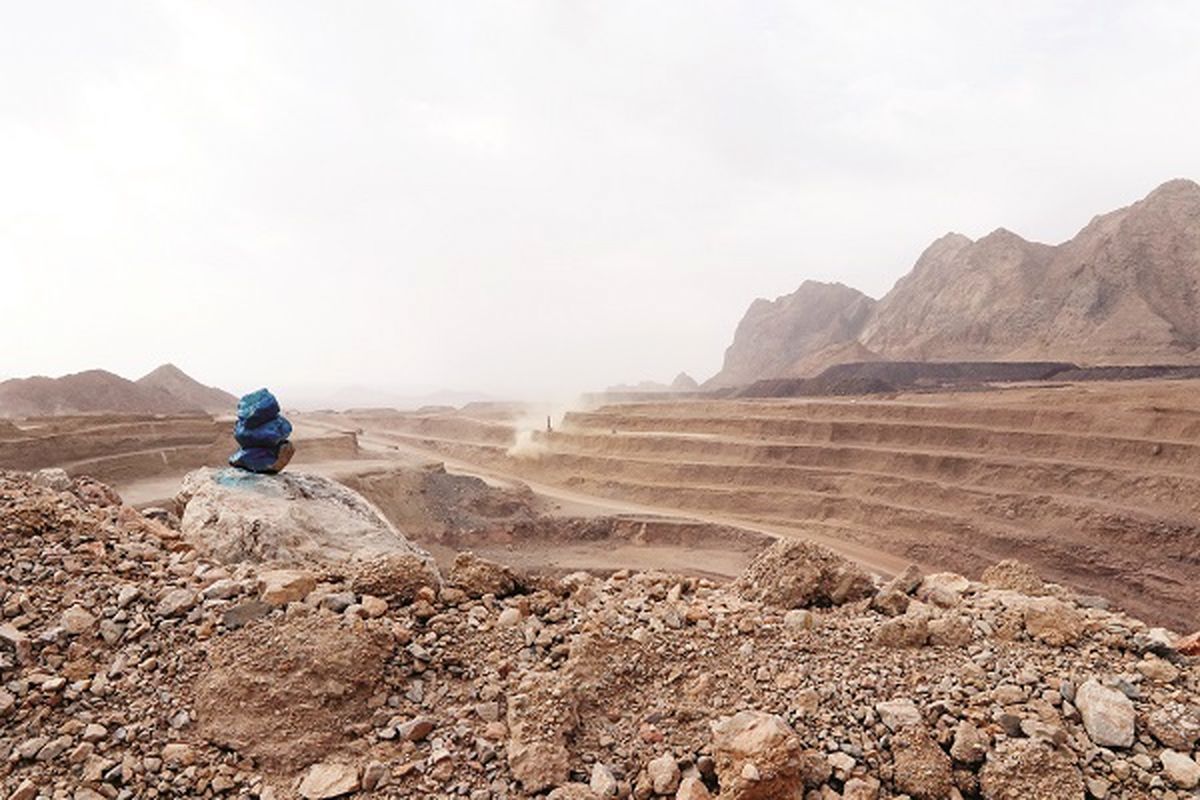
[684, 383]
[1124, 290]
[92, 392]
[178, 384]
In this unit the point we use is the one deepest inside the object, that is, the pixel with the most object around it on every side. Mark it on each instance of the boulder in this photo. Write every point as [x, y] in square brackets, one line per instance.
[323, 781]
[950, 630]
[692, 788]
[1108, 715]
[663, 773]
[285, 693]
[909, 630]
[922, 769]
[398, 576]
[793, 573]
[477, 576]
[970, 744]
[1176, 725]
[898, 713]
[232, 515]
[282, 586]
[1053, 622]
[1180, 769]
[759, 757]
[1015, 575]
[1024, 769]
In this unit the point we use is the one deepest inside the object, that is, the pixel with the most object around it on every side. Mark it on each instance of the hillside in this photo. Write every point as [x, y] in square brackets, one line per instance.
[175, 382]
[92, 392]
[1124, 290]
[166, 390]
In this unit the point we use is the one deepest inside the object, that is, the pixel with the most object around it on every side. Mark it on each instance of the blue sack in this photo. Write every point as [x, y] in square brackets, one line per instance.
[262, 459]
[257, 407]
[268, 434]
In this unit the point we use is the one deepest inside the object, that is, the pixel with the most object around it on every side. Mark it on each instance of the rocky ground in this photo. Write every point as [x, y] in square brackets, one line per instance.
[135, 665]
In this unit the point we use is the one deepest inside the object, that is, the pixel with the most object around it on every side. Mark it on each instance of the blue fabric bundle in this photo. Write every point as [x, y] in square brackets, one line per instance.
[262, 434]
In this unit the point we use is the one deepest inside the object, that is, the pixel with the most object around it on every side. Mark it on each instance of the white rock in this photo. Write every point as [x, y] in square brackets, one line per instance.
[664, 774]
[603, 784]
[77, 620]
[898, 713]
[324, 781]
[1181, 770]
[234, 515]
[1108, 714]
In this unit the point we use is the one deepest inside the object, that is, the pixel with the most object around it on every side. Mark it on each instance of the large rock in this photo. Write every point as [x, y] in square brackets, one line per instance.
[1180, 769]
[1108, 715]
[759, 757]
[233, 515]
[477, 576]
[1053, 622]
[542, 713]
[798, 574]
[1175, 725]
[922, 769]
[325, 781]
[1025, 769]
[1015, 575]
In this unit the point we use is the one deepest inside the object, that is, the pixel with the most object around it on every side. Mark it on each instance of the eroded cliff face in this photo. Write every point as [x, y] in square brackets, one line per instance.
[1126, 289]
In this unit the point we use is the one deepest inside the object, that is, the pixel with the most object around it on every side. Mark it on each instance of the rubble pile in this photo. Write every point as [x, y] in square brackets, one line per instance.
[131, 666]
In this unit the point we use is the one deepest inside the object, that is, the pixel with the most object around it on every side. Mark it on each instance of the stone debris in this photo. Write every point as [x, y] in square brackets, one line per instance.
[134, 664]
[793, 573]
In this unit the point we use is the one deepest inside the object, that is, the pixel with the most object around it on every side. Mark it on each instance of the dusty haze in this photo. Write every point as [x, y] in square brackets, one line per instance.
[526, 199]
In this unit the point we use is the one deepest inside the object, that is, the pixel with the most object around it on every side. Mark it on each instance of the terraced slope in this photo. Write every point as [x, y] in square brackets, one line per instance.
[1098, 486]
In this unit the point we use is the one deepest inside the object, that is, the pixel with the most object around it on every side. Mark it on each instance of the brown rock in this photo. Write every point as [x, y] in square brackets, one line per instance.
[328, 780]
[797, 574]
[692, 789]
[1175, 725]
[1023, 769]
[1015, 575]
[922, 769]
[950, 630]
[905, 631]
[477, 576]
[284, 693]
[970, 744]
[759, 757]
[396, 577]
[282, 586]
[1053, 622]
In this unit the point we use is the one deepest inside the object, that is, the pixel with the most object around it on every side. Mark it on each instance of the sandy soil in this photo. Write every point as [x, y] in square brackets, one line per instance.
[1097, 484]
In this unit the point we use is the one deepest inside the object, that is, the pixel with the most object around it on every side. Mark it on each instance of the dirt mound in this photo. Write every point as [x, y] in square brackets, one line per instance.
[1125, 290]
[291, 692]
[173, 381]
[799, 574]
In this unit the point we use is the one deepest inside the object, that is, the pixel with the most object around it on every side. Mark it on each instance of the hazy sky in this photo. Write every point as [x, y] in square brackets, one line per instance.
[536, 197]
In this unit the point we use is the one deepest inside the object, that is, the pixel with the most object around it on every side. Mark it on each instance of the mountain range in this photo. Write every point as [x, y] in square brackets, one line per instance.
[1124, 290]
[166, 390]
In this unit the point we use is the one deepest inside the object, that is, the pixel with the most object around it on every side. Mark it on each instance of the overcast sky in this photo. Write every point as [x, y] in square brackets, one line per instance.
[528, 198]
